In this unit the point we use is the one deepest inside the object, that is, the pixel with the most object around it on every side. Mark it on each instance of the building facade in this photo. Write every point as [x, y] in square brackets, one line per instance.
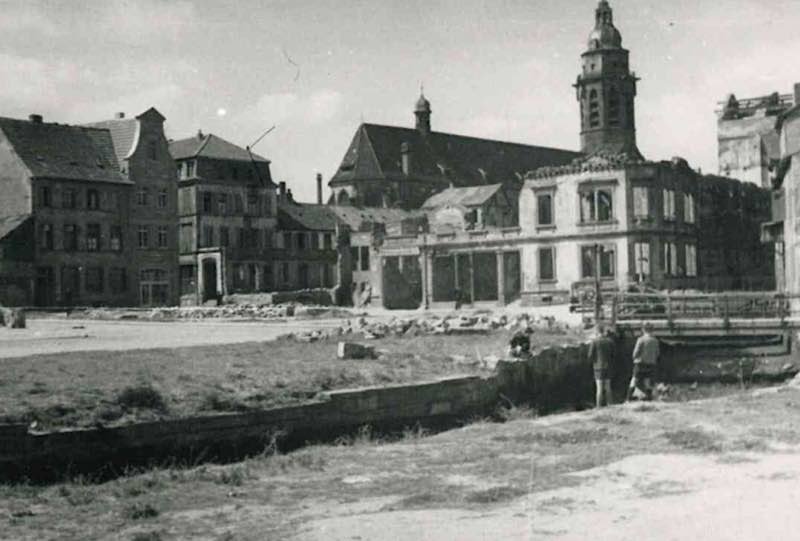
[144, 158]
[747, 138]
[227, 212]
[66, 208]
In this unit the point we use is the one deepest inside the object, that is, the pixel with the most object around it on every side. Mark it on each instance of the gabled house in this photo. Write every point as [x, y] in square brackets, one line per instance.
[65, 205]
[142, 152]
[227, 213]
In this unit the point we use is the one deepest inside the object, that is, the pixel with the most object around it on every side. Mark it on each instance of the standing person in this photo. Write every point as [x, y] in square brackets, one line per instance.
[601, 354]
[645, 361]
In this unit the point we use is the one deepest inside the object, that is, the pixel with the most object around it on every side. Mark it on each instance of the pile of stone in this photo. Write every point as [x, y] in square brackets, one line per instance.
[228, 311]
[13, 318]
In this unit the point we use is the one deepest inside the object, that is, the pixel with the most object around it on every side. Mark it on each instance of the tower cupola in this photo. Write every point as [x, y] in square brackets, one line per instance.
[422, 111]
[606, 90]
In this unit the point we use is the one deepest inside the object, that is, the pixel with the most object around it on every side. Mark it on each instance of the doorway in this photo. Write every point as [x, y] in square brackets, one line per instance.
[210, 280]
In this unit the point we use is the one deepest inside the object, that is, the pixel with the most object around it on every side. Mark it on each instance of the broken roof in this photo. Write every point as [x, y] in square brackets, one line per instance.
[212, 147]
[472, 196]
[327, 217]
[375, 154]
[9, 224]
[61, 151]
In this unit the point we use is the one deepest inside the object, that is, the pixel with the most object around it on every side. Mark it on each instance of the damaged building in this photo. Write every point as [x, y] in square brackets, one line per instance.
[608, 211]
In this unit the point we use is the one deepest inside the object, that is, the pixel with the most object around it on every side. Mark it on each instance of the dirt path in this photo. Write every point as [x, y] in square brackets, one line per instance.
[656, 497]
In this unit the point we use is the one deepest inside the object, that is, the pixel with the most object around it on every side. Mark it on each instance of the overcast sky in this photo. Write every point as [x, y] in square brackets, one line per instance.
[315, 69]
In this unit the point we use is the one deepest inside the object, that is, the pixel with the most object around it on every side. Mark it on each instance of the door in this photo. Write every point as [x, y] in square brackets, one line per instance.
[209, 280]
[45, 286]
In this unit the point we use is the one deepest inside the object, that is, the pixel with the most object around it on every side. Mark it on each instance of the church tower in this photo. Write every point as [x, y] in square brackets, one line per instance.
[606, 90]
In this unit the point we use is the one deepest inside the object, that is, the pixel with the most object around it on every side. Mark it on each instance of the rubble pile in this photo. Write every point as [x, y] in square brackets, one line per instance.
[432, 325]
[228, 311]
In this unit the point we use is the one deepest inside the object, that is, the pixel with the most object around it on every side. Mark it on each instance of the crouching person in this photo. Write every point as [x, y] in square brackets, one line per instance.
[601, 354]
[645, 363]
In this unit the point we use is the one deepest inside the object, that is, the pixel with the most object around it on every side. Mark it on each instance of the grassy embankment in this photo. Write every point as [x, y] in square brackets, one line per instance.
[90, 388]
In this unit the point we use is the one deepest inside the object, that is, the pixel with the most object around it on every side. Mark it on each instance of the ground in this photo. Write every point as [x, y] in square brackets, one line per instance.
[717, 469]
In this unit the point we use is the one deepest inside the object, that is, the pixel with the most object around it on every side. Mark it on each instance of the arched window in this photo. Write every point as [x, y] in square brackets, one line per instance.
[594, 109]
[613, 107]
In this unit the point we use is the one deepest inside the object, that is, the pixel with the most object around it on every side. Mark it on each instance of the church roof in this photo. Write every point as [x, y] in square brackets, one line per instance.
[375, 154]
[212, 147]
[62, 151]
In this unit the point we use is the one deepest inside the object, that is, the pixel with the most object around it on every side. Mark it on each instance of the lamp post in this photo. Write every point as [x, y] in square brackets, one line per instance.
[598, 250]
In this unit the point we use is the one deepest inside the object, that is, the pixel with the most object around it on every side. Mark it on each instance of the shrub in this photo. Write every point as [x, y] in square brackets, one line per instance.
[142, 396]
[140, 510]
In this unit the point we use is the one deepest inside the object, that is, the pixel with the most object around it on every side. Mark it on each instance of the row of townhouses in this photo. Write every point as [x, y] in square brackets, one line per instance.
[113, 213]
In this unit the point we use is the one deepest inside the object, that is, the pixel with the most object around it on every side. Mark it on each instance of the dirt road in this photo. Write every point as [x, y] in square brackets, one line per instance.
[59, 335]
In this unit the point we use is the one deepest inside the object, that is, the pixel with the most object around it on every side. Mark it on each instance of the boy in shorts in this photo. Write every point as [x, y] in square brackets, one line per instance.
[645, 361]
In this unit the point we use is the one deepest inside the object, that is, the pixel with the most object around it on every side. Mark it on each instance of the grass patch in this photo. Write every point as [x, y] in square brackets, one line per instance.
[140, 510]
[694, 440]
[141, 396]
[494, 495]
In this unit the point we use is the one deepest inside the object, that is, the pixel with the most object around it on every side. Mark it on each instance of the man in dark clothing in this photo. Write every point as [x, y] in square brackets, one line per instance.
[645, 362]
[601, 354]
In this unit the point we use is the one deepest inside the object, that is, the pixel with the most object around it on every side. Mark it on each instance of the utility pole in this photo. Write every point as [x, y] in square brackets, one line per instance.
[598, 301]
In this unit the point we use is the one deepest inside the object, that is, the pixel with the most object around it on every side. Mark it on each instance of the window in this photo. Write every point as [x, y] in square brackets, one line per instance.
[641, 202]
[688, 210]
[691, 260]
[354, 257]
[162, 198]
[116, 238]
[669, 205]
[242, 237]
[238, 204]
[285, 272]
[267, 239]
[596, 205]
[224, 236]
[314, 241]
[267, 205]
[365, 258]
[92, 199]
[328, 241]
[594, 109]
[152, 150]
[607, 261]
[252, 236]
[641, 258]
[117, 280]
[222, 204]
[143, 236]
[252, 204]
[208, 236]
[207, 202]
[94, 279]
[301, 241]
[287, 241]
[670, 259]
[69, 198]
[189, 169]
[46, 240]
[269, 279]
[70, 237]
[93, 237]
[234, 173]
[547, 269]
[141, 197]
[544, 208]
[46, 197]
[613, 107]
[162, 239]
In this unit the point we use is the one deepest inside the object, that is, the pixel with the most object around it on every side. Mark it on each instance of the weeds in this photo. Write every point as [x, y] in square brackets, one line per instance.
[140, 510]
[142, 396]
[215, 401]
[696, 440]
[495, 495]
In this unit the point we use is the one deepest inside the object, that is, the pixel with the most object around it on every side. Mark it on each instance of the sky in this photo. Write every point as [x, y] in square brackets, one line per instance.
[316, 69]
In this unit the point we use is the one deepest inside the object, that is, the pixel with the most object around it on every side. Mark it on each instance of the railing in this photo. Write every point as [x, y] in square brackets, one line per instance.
[725, 306]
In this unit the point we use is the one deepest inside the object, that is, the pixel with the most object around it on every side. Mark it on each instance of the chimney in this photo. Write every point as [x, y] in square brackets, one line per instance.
[405, 152]
[120, 115]
[319, 188]
[200, 134]
[797, 93]
[36, 119]
[289, 196]
[282, 192]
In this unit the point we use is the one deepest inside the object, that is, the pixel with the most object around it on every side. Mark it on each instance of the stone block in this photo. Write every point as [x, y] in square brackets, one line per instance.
[351, 350]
